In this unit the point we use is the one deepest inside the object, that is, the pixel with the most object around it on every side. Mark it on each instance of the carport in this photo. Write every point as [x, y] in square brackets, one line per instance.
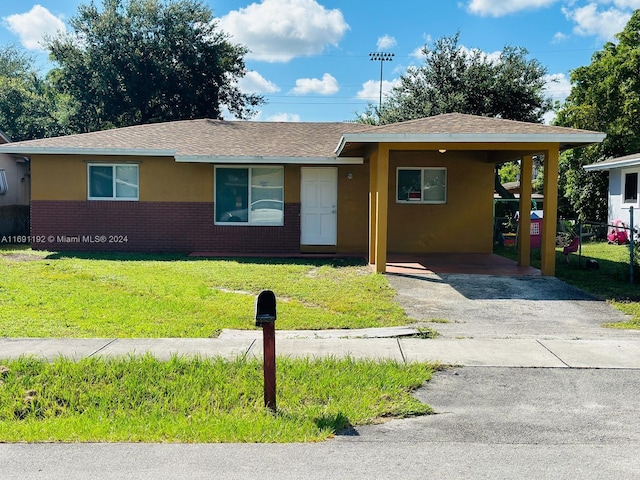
[466, 148]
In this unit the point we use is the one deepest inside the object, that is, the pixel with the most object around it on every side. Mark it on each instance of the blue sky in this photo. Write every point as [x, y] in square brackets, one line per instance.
[310, 58]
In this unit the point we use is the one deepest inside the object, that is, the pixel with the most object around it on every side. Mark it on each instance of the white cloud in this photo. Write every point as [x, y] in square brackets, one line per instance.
[418, 54]
[371, 89]
[632, 4]
[328, 85]
[559, 37]
[385, 42]
[284, 117]
[490, 57]
[558, 86]
[591, 21]
[32, 26]
[499, 8]
[253, 82]
[279, 30]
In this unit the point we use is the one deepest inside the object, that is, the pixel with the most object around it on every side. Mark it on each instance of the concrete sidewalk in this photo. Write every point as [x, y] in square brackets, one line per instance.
[400, 346]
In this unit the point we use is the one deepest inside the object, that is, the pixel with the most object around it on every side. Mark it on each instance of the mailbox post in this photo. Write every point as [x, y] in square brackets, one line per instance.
[266, 318]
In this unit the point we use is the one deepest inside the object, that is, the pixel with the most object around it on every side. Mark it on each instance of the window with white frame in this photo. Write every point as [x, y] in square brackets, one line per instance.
[631, 187]
[249, 195]
[4, 185]
[113, 181]
[421, 185]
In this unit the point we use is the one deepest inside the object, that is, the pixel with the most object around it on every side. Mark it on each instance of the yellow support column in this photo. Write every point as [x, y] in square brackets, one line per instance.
[373, 175]
[382, 204]
[550, 212]
[524, 225]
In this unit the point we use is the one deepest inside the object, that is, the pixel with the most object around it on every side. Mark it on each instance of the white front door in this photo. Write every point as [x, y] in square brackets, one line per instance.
[319, 202]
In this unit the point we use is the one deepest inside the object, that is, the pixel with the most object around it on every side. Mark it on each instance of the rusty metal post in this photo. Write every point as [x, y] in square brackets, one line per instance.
[269, 347]
[266, 317]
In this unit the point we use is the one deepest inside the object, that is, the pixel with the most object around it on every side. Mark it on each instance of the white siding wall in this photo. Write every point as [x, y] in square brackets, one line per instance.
[17, 179]
[618, 209]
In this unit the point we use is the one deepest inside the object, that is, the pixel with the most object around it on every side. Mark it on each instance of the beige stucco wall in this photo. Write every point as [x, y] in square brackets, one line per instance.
[463, 224]
[353, 208]
[64, 177]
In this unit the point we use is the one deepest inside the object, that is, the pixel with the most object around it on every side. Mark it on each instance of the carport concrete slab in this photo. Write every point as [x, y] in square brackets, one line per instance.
[596, 353]
[165, 348]
[51, 348]
[365, 348]
[480, 352]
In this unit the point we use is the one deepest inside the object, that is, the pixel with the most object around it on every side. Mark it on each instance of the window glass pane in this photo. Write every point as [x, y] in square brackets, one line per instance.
[126, 181]
[232, 194]
[435, 184]
[101, 181]
[631, 187]
[267, 195]
[409, 185]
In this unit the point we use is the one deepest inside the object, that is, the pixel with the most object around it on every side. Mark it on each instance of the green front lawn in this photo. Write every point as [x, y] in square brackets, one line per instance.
[83, 295]
[199, 400]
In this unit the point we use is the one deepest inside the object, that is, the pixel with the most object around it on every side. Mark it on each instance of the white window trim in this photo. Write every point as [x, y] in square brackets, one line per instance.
[112, 198]
[623, 182]
[4, 184]
[249, 168]
[422, 201]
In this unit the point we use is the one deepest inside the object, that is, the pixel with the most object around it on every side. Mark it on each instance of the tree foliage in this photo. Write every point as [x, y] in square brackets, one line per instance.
[29, 107]
[143, 61]
[456, 79]
[605, 96]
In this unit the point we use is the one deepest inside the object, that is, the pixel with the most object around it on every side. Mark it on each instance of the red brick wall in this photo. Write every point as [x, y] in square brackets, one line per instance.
[154, 227]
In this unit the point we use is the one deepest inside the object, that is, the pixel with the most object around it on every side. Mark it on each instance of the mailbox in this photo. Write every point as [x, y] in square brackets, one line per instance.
[265, 308]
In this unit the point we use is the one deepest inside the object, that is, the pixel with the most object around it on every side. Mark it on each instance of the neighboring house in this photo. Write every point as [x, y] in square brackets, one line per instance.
[225, 187]
[624, 189]
[14, 194]
[514, 188]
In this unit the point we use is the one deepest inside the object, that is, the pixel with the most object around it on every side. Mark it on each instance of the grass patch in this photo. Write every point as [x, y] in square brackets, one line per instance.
[141, 399]
[426, 332]
[110, 295]
[438, 320]
[610, 282]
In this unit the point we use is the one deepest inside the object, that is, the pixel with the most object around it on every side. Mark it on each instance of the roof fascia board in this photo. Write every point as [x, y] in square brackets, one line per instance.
[269, 160]
[488, 138]
[125, 152]
[611, 165]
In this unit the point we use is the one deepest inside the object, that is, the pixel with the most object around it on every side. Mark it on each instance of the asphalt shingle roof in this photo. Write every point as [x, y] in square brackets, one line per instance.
[459, 123]
[218, 138]
[212, 138]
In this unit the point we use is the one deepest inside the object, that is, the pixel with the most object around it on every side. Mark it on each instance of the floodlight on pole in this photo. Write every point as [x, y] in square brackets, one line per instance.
[381, 57]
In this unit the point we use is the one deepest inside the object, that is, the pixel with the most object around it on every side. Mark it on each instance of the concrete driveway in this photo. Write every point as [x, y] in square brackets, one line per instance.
[489, 306]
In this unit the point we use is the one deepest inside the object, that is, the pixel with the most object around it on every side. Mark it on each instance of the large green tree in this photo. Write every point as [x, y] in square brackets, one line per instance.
[141, 61]
[456, 79]
[605, 96]
[29, 107]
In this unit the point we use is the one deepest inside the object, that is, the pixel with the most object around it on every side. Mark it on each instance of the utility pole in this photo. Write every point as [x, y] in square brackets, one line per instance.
[381, 57]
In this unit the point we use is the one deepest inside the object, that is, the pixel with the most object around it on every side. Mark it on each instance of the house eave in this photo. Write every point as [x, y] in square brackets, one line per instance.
[259, 159]
[595, 167]
[566, 141]
[124, 152]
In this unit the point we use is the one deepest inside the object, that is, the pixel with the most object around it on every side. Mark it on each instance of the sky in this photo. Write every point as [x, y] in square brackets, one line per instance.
[310, 58]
